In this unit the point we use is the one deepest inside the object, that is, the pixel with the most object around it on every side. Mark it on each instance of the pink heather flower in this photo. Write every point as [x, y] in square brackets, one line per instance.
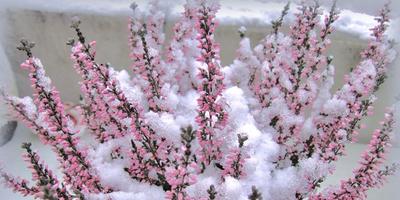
[179, 178]
[60, 130]
[211, 115]
[305, 57]
[146, 40]
[234, 161]
[183, 173]
[25, 110]
[363, 81]
[292, 79]
[46, 182]
[234, 164]
[18, 185]
[182, 51]
[368, 174]
[120, 108]
[379, 49]
[97, 109]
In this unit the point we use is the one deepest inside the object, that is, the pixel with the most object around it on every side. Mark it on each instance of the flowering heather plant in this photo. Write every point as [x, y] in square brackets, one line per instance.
[184, 127]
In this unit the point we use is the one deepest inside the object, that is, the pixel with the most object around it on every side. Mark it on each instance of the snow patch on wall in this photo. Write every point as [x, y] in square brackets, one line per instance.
[253, 12]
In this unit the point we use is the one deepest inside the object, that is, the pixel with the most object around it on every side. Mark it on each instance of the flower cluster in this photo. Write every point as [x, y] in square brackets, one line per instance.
[235, 160]
[211, 115]
[146, 39]
[183, 127]
[369, 174]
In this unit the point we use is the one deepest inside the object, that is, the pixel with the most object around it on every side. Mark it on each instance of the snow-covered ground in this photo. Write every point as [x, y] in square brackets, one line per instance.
[47, 23]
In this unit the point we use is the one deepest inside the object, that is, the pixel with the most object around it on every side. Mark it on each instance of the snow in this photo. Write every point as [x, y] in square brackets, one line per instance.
[112, 173]
[43, 80]
[185, 106]
[242, 30]
[233, 188]
[324, 90]
[164, 124]
[367, 73]
[199, 189]
[336, 107]
[29, 106]
[172, 99]
[132, 92]
[150, 194]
